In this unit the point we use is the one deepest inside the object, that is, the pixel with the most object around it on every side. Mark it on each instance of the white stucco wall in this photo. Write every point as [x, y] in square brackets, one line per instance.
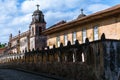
[23, 44]
[32, 43]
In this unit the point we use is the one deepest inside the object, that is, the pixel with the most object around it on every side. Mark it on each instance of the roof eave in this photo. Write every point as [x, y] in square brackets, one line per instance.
[98, 15]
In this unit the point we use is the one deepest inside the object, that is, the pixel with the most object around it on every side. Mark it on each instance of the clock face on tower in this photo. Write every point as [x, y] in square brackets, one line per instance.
[33, 18]
[37, 17]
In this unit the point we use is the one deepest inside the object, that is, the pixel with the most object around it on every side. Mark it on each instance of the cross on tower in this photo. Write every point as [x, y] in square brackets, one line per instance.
[37, 6]
[81, 11]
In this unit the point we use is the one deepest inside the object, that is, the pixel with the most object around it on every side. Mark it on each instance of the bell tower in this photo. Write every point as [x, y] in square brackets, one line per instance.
[38, 24]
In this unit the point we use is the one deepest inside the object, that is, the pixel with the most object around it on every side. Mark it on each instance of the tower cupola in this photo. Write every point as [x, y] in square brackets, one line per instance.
[81, 15]
[37, 16]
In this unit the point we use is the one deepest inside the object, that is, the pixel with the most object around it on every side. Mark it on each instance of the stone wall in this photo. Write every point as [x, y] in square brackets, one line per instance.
[92, 60]
[67, 71]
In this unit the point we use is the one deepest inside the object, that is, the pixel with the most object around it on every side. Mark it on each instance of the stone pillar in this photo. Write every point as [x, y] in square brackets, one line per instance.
[65, 58]
[74, 55]
[60, 52]
[59, 55]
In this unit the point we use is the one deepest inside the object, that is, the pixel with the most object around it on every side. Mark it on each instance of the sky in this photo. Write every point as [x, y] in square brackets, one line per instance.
[16, 15]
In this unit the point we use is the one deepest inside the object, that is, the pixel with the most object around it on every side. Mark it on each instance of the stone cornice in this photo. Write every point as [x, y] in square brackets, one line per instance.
[113, 11]
[21, 35]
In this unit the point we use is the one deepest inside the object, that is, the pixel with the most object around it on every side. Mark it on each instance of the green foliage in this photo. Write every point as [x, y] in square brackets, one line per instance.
[2, 45]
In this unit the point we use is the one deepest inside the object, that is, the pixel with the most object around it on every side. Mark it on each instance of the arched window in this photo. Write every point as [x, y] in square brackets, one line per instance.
[65, 39]
[40, 30]
[73, 37]
[83, 57]
[32, 31]
[83, 35]
[95, 33]
[58, 41]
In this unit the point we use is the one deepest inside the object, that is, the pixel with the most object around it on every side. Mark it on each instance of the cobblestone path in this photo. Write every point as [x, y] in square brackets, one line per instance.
[9, 74]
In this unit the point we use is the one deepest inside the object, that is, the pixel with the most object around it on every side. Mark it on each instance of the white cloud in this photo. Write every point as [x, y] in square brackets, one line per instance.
[54, 10]
[5, 31]
[21, 19]
[28, 6]
[4, 37]
[8, 7]
[56, 5]
[54, 17]
[17, 15]
[4, 18]
[97, 7]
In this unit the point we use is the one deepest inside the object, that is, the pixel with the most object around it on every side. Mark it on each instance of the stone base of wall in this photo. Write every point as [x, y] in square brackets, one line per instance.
[69, 71]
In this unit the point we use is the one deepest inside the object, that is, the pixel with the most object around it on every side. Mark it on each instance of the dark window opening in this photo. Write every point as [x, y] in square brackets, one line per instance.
[40, 30]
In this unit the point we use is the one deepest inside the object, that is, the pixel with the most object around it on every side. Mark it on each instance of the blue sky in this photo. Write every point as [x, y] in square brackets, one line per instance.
[15, 15]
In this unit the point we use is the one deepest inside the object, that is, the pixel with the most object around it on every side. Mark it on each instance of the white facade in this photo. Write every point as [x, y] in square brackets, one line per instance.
[23, 44]
[31, 39]
[32, 43]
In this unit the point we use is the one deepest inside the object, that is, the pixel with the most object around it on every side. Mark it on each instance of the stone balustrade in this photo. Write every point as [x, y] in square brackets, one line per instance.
[102, 55]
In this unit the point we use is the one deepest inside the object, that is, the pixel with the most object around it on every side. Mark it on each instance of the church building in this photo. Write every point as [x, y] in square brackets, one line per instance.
[84, 26]
[31, 39]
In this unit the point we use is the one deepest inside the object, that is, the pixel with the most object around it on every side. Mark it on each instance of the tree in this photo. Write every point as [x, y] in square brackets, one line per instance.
[2, 45]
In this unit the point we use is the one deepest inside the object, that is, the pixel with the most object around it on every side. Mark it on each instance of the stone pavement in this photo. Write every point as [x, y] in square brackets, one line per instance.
[9, 74]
